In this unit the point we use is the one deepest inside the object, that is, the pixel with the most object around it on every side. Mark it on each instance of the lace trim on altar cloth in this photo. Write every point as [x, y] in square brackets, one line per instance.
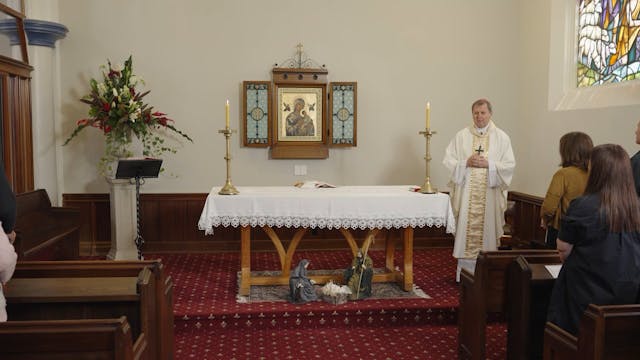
[321, 223]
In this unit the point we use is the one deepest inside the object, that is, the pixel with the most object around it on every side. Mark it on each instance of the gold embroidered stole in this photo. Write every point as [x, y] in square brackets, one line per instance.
[477, 199]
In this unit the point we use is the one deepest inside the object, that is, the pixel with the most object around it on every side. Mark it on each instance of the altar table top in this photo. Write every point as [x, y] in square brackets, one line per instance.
[354, 207]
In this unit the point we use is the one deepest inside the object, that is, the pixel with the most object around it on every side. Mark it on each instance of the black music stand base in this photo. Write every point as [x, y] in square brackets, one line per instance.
[136, 170]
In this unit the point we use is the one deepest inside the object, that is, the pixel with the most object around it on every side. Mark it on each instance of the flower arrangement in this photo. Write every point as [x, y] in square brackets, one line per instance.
[116, 108]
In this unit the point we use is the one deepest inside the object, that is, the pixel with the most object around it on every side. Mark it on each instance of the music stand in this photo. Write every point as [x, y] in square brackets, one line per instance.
[138, 169]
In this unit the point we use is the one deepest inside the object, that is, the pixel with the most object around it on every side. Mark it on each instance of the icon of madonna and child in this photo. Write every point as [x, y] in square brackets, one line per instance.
[298, 122]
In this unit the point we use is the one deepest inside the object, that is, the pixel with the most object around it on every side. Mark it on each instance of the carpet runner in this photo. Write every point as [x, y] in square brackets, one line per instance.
[211, 324]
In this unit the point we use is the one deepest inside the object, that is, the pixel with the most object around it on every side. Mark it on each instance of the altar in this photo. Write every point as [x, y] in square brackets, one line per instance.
[371, 208]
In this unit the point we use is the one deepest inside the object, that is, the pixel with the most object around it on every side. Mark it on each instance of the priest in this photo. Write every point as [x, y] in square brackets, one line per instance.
[480, 162]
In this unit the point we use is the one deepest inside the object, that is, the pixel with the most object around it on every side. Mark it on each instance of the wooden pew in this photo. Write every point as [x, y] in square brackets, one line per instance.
[69, 339]
[86, 298]
[485, 292]
[529, 291]
[45, 232]
[608, 332]
[160, 337]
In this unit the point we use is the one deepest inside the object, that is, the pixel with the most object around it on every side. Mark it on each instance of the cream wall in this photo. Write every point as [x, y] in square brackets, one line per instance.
[194, 55]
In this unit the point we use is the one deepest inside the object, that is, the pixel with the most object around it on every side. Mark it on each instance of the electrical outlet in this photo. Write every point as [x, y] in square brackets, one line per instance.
[299, 170]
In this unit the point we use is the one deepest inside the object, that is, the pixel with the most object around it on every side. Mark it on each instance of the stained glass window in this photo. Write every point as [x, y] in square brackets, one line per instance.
[257, 95]
[608, 42]
[343, 113]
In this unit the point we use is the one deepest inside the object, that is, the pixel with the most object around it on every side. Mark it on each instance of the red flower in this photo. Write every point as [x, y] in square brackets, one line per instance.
[107, 129]
[82, 122]
[106, 106]
[158, 113]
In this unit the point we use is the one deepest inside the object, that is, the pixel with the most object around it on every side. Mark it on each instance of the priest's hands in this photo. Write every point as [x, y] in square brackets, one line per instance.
[477, 161]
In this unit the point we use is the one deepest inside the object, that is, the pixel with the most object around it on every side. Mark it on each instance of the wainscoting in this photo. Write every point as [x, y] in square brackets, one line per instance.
[170, 224]
[523, 217]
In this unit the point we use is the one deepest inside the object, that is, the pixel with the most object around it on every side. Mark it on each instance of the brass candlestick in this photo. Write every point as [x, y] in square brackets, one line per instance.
[228, 188]
[426, 188]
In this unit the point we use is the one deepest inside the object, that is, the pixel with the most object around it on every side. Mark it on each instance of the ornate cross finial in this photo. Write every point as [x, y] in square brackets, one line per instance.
[300, 60]
[299, 53]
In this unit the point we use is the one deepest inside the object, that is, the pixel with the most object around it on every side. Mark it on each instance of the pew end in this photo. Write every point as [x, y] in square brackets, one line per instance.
[484, 292]
[45, 232]
[559, 344]
[70, 339]
[608, 332]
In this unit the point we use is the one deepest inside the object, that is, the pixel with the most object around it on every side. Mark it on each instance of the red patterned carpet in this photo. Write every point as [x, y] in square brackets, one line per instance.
[210, 324]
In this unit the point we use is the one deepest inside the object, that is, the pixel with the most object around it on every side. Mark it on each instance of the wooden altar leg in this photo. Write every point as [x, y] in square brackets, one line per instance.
[286, 266]
[407, 279]
[245, 261]
[390, 250]
[371, 236]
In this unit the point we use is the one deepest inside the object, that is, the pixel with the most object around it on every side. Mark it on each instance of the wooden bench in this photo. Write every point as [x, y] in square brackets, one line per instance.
[87, 298]
[485, 292]
[69, 339]
[529, 290]
[45, 232]
[160, 337]
[608, 332]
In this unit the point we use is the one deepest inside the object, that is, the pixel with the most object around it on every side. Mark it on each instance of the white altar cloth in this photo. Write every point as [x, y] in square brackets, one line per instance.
[352, 207]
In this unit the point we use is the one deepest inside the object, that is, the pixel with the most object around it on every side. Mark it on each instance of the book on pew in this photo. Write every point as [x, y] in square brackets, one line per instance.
[554, 270]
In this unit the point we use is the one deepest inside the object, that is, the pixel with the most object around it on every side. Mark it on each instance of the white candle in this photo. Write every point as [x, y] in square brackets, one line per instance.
[428, 115]
[226, 108]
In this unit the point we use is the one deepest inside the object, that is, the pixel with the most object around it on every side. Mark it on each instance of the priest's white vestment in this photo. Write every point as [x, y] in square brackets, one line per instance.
[479, 195]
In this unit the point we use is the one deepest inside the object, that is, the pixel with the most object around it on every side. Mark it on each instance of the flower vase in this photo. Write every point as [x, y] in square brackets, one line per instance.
[121, 147]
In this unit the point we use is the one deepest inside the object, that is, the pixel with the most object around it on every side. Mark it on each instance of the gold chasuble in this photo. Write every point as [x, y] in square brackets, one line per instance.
[477, 199]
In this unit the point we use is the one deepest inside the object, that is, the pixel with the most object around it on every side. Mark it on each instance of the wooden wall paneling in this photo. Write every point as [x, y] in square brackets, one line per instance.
[7, 128]
[14, 67]
[526, 228]
[17, 146]
[95, 217]
[25, 151]
[170, 224]
[17, 133]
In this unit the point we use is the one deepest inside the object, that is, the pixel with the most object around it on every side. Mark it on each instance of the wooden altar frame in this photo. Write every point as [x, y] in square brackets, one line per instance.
[404, 278]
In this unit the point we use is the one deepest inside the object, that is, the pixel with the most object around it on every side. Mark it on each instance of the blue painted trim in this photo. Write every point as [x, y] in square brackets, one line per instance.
[39, 32]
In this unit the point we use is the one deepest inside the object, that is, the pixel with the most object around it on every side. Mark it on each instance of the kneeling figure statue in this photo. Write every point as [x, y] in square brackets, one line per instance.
[301, 289]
